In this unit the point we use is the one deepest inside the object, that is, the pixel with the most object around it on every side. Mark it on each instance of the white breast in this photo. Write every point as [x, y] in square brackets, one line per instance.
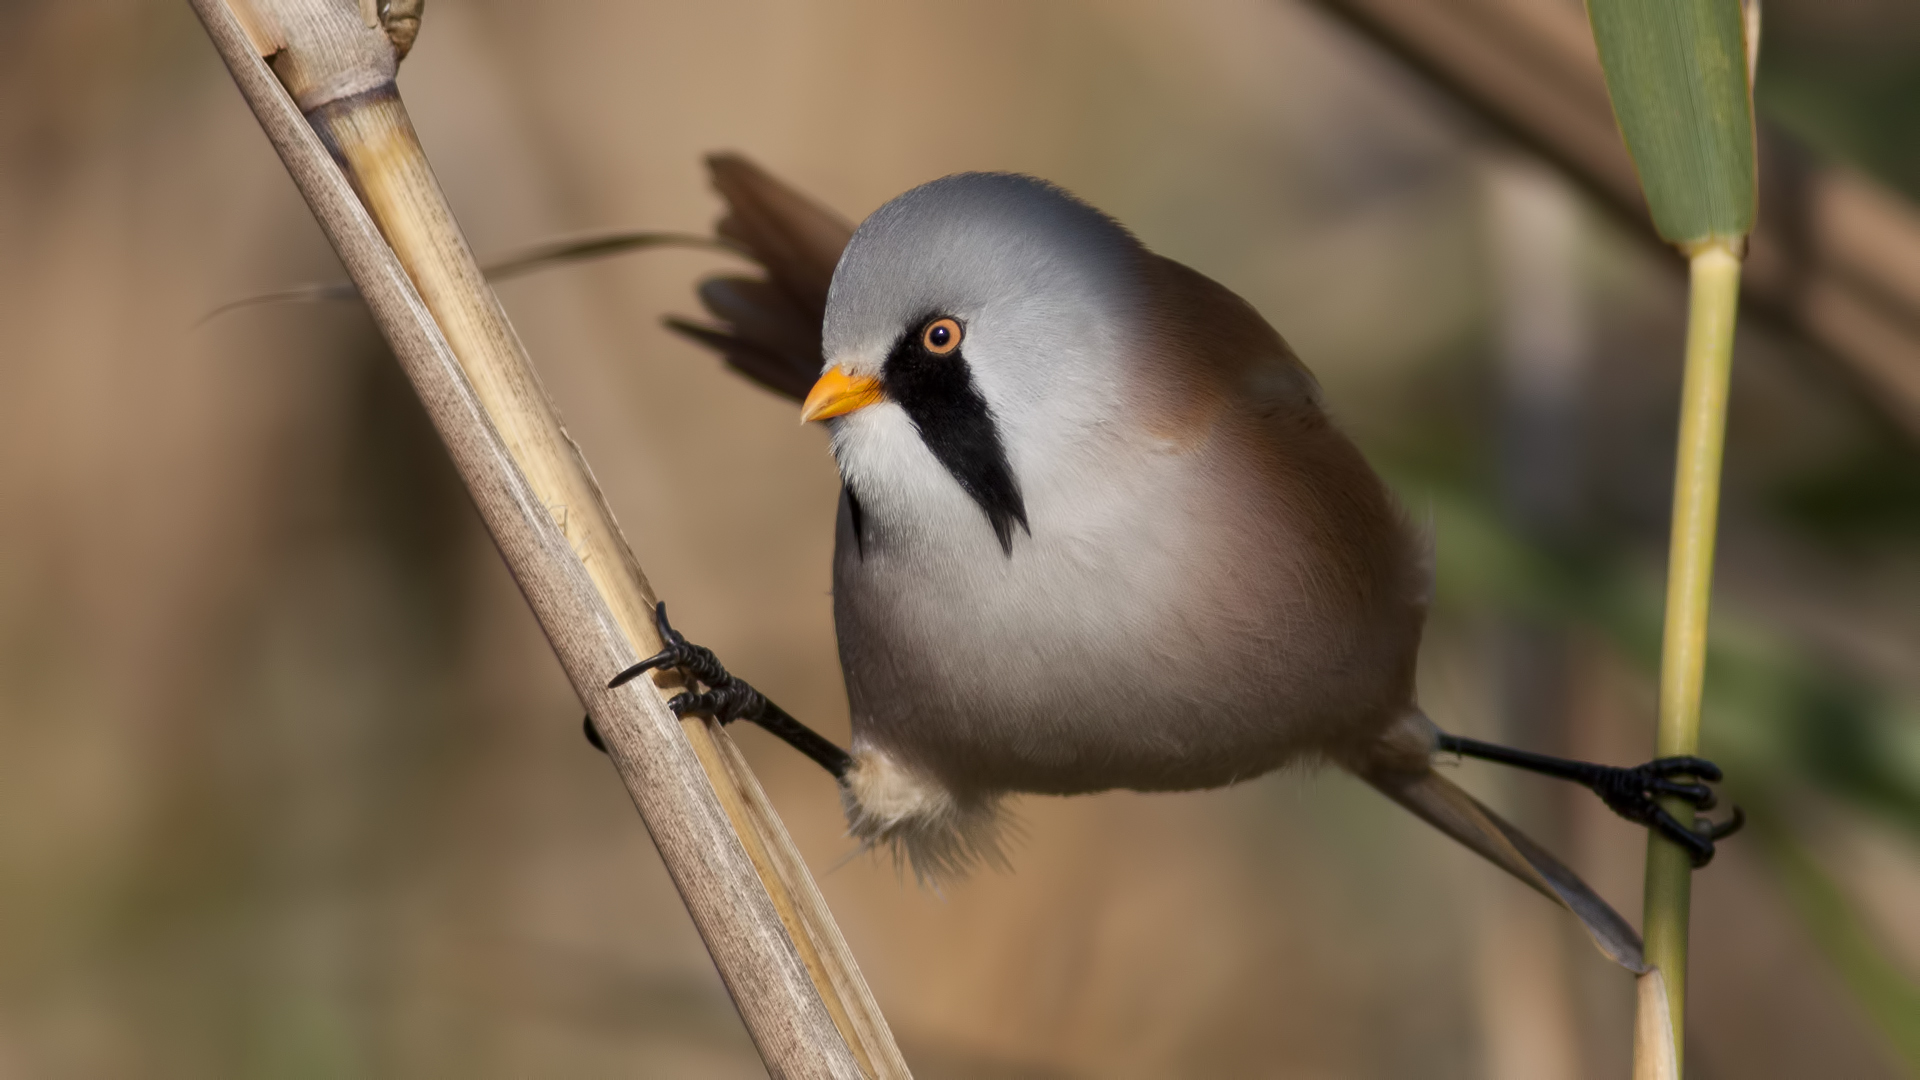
[1141, 636]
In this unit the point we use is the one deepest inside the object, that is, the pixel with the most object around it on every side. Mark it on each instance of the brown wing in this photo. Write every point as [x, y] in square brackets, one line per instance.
[768, 329]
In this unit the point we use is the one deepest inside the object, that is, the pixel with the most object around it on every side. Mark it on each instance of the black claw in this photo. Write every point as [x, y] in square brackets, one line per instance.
[658, 659]
[732, 701]
[726, 698]
[1630, 792]
[1699, 848]
[1698, 841]
[1720, 830]
[1700, 795]
[673, 653]
[593, 734]
[1683, 766]
[726, 705]
[677, 652]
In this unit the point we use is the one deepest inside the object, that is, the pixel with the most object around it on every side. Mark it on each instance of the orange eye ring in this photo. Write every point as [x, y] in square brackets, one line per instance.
[941, 336]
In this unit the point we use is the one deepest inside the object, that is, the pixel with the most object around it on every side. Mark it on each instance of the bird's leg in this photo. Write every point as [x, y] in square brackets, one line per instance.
[1630, 792]
[725, 698]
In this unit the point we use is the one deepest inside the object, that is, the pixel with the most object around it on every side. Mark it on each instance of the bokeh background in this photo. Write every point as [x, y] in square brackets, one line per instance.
[290, 785]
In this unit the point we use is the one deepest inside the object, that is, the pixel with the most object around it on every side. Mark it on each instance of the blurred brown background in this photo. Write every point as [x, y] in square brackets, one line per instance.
[290, 785]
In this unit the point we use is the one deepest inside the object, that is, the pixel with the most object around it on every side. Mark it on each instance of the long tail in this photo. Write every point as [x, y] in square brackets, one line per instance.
[1442, 804]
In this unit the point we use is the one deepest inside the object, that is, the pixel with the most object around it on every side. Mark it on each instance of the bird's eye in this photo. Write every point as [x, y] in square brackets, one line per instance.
[941, 336]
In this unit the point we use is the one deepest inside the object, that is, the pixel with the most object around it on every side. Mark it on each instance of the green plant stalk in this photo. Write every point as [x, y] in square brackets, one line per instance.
[1715, 300]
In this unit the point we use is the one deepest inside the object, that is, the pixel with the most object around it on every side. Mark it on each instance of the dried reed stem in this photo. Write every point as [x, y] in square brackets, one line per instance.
[1654, 1054]
[763, 920]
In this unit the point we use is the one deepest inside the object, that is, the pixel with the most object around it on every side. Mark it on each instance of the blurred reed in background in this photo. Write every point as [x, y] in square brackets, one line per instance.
[291, 786]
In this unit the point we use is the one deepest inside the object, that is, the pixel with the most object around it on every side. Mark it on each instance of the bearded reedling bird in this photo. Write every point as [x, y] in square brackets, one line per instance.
[1096, 531]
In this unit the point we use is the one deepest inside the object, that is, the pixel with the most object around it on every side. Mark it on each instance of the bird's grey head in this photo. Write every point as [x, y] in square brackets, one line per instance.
[971, 332]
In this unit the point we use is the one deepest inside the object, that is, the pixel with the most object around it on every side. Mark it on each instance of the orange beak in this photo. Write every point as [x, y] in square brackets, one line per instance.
[838, 393]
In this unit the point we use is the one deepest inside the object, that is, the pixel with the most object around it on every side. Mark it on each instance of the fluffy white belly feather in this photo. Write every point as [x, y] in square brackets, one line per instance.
[1073, 664]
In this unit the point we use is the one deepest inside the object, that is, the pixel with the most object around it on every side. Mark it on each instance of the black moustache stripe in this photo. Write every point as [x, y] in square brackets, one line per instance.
[938, 395]
[857, 517]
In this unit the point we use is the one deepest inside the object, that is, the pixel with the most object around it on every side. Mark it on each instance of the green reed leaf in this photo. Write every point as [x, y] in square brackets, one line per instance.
[1677, 73]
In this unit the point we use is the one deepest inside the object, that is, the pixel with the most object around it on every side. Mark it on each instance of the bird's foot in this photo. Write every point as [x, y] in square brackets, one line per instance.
[1634, 794]
[724, 699]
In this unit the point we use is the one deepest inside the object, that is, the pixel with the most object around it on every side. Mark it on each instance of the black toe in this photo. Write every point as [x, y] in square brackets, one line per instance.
[1683, 766]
